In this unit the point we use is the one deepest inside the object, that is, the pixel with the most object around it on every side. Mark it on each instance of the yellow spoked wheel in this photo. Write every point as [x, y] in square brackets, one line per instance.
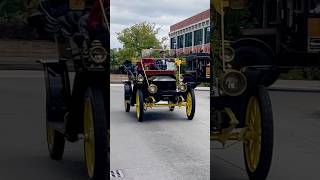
[258, 143]
[139, 105]
[253, 145]
[96, 134]
[56, 142]
[190, 104]
[50, 136]
[89, 143]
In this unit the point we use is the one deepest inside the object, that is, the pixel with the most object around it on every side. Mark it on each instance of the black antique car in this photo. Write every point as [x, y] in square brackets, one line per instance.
[198, 68]
[241, 109]
[157, 82]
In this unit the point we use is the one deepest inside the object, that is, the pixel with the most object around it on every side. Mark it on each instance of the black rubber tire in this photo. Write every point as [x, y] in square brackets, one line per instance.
[141, 106]
[262, 170]
[193, 109]
[127, 106]
[250, 56]
[56, 149]
[100, 132]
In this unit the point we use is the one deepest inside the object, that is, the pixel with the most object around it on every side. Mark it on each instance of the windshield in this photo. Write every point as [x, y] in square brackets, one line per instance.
[159, 64]
[158, 59]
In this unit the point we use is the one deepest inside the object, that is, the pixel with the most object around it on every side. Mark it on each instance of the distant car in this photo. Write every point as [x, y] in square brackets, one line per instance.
[156, 82]
[198, 68]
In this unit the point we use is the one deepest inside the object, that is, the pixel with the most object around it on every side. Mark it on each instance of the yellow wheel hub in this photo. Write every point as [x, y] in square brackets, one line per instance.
[50, 136]
[252, 146]
[138, 105]
[89, 143]
[189, 104]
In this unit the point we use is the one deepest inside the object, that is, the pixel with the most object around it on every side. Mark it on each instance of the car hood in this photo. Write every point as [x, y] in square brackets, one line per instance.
[162, 79]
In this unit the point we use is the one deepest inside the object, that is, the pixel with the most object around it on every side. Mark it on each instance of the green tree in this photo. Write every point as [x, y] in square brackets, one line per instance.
[138, 37]
[16, 11]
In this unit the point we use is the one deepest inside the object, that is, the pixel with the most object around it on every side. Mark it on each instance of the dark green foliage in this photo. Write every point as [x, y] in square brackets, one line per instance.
[16, 11]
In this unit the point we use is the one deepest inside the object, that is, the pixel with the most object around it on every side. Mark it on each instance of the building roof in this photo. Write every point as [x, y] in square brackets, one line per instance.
[192, 20]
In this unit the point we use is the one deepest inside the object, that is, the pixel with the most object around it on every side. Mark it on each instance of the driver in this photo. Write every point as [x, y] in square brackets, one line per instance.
[161, 63]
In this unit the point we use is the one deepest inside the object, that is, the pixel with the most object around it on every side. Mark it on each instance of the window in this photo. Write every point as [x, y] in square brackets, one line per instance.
[207, 35]
[180, 41]
[198, 37]
[172, 43]
[188, 39]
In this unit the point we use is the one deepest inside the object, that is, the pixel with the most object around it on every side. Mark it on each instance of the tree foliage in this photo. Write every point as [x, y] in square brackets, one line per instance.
[138, 37]
[16, 11]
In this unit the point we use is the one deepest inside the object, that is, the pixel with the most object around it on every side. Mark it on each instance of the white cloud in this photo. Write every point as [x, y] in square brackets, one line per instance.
[163, 13]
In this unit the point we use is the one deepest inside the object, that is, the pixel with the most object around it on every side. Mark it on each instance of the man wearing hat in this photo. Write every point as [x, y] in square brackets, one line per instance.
[161, 63]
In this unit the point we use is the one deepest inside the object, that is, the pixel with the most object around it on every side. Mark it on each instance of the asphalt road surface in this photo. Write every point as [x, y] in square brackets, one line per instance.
[23, 150]
[166, 146]
[297, 141]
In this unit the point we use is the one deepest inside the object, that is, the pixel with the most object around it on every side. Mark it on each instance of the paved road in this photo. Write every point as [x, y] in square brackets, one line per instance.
[165, 146]
[23, 151]
[297, 141]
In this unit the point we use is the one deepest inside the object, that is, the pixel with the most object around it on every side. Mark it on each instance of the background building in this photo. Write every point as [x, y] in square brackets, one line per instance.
[192, 34]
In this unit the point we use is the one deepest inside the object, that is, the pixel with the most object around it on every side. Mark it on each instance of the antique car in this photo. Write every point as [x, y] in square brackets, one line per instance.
[157, 82]
[80, 112]
[198, 68]
[241, 108]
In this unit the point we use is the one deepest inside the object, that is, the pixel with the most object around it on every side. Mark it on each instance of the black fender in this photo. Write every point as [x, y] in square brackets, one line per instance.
[189, 77]
[191, 85]
[255, 53]
[255, 43]
[127, 90]
[58, 93]
[89, 78]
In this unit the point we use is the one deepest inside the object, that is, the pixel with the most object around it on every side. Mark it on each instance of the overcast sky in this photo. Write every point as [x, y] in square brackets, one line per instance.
[163, 13]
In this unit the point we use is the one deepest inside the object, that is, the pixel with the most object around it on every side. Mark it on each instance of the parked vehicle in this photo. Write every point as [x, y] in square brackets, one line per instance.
[81, 32]
[198, 68]
[284, 34]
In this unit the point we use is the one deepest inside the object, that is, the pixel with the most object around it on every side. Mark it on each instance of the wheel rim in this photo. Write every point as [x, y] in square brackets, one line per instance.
[138, 105]
[50, 136]
[125, 104]
[252, 146]
[89, 137]
[189, 103]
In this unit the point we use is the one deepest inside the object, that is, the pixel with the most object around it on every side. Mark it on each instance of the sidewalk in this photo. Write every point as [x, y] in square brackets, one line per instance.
[22, 54]
[296, 85]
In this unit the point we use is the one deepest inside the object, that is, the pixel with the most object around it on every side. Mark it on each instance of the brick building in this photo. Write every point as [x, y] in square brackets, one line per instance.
[192, 34]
